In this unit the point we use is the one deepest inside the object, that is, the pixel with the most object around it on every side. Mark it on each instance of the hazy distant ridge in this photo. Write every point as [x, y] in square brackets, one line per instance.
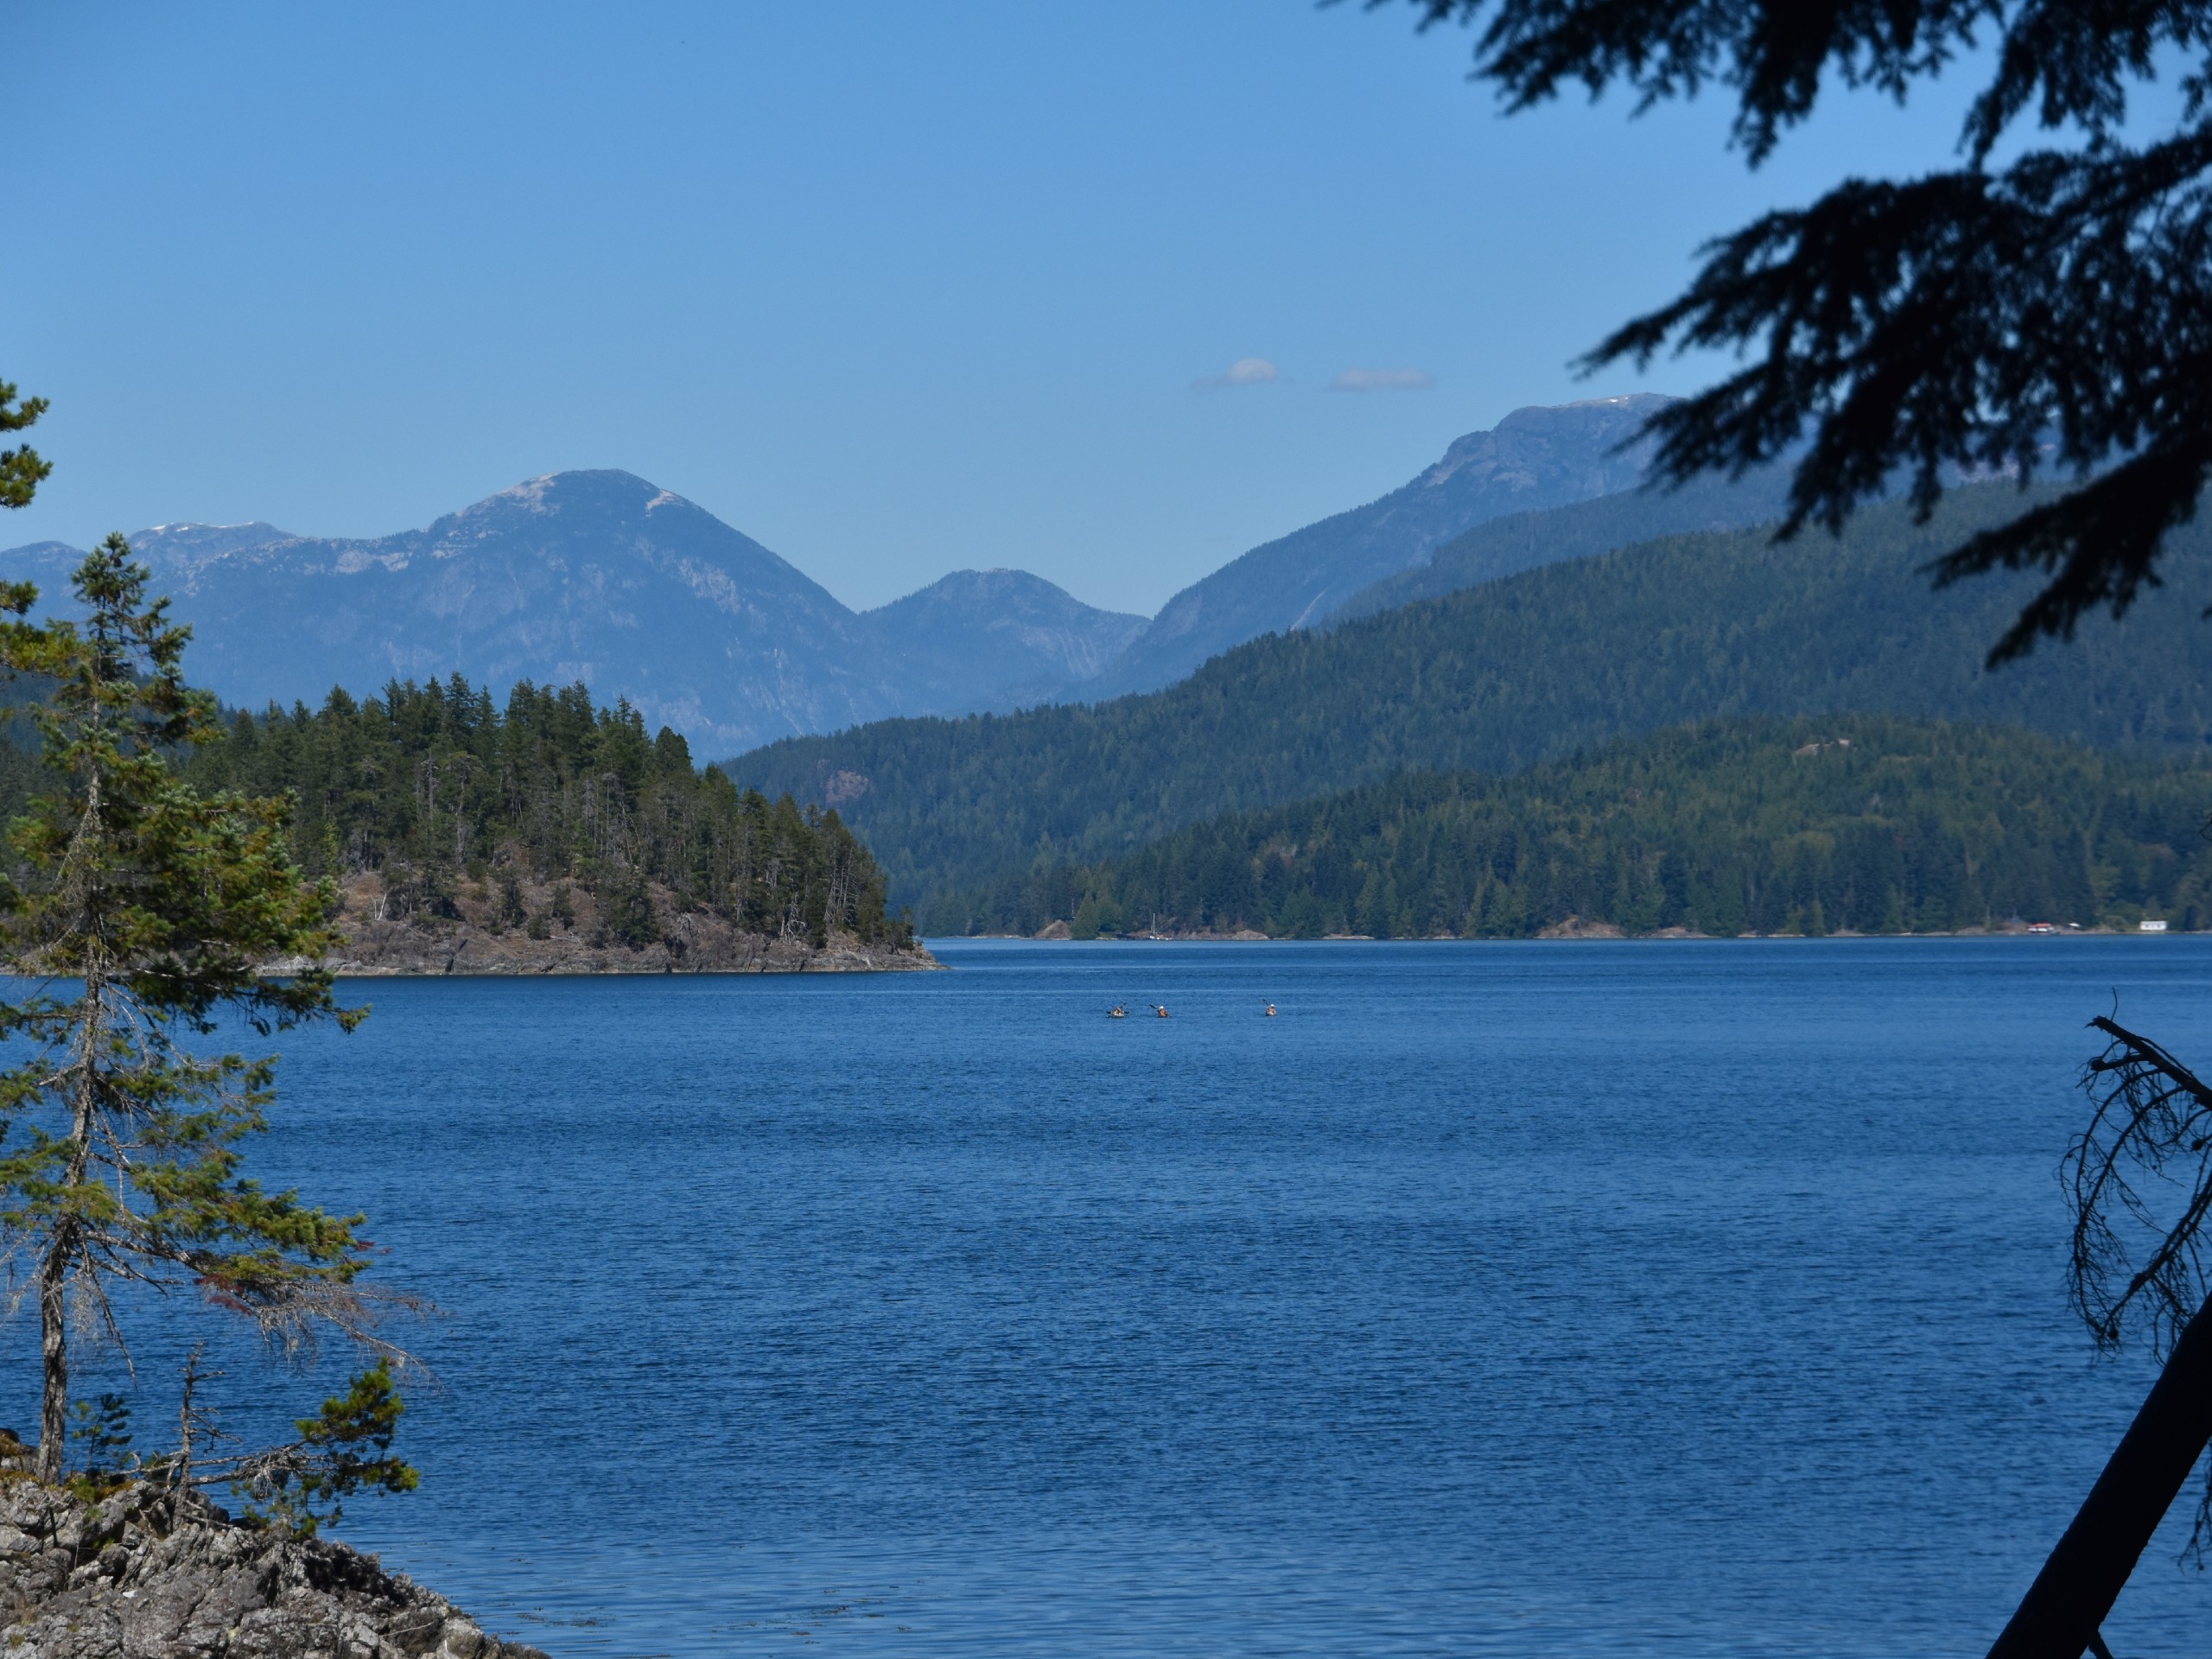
[1534, 458]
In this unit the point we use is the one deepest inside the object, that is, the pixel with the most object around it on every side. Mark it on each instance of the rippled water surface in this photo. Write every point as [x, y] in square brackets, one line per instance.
[1531, 1299]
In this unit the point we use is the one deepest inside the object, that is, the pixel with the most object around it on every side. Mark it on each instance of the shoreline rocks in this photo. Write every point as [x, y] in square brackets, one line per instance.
[468, 942]
[151, 1574]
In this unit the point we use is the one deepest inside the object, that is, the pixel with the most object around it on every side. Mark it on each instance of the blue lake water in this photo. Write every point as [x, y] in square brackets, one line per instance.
[1696, 1300]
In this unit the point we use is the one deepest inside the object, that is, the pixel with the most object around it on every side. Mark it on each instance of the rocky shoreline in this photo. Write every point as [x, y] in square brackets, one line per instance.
[1577, 927]
[471, 941]
[151, 1574]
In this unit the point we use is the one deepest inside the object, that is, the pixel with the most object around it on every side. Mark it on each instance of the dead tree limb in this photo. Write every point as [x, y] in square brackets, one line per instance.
[2060, 1616]
[2141, 1187]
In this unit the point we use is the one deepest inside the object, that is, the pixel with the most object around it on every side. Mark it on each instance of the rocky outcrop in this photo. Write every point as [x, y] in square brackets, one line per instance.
[692, 944]
[471, 941]
[147, 1574]
[1577, 927]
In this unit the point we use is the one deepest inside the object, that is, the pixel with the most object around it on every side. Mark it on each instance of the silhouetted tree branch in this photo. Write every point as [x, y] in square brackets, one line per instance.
[2054, 314]
[2140, 1186]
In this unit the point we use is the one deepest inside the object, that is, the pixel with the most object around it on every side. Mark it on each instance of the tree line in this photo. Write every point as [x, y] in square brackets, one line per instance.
[1860, 823]
[429, 785]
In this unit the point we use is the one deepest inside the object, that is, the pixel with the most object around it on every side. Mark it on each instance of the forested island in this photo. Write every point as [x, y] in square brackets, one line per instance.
[1844, 824]
[551, 836]
[548, 836]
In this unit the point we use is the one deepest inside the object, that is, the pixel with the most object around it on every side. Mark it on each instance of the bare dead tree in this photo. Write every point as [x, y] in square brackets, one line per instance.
[2140, 1188]
[2140, 1185]
[195, 1424]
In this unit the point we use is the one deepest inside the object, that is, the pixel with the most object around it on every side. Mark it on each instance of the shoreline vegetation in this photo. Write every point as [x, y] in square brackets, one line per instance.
[1840, 826]
[1575, 929]
[550, 835]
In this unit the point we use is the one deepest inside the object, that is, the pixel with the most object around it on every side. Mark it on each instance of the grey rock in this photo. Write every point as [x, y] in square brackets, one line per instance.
[151, 1574]
[693, 942]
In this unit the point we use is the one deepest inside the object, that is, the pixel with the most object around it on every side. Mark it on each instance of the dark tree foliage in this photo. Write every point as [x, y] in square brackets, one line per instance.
[343, 1449]
[2051, 314]
[21, 468]
[1852, 823]
[432, 785]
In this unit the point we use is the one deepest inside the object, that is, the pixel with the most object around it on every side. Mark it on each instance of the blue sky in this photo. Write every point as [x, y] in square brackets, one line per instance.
[894, 289]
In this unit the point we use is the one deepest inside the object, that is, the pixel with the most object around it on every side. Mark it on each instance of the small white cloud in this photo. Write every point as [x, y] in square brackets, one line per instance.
[1383, 380]
[1244, 372]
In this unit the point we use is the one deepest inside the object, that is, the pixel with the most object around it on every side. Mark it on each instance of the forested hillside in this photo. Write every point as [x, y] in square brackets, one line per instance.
[435, 787]
[1530, 668]
[1863, 824]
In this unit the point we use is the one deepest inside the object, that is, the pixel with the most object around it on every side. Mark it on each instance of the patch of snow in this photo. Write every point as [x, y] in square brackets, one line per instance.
[530, 493]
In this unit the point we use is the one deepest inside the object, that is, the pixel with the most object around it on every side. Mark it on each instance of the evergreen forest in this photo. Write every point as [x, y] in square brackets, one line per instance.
[432, 785]
[1529, 668]
[1859, 823]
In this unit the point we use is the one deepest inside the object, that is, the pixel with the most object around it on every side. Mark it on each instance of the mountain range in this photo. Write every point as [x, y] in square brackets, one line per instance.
[603, 577]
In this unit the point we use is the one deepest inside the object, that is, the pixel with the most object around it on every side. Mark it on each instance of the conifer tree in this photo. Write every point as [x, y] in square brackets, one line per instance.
[141, 911]
[21, 468]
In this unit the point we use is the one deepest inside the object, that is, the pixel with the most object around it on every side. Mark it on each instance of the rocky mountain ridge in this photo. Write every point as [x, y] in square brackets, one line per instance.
[1533, 458]
[605, 578]
[1027, 637]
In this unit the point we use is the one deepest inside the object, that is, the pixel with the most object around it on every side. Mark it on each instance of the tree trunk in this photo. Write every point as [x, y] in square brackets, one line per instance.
[62, 1251]
[54, 1350]
[2059, 1617]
